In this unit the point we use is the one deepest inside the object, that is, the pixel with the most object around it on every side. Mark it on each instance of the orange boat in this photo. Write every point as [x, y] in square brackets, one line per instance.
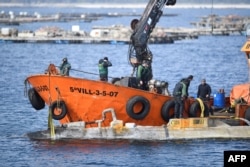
[75, 99]
[84, 100]
[72, 99]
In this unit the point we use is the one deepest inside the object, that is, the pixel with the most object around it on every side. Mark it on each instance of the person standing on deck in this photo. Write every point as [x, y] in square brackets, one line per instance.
[179, 94]
[187, 81]
[65, 67]
[143, 75]
[204, 91]
[103, 68]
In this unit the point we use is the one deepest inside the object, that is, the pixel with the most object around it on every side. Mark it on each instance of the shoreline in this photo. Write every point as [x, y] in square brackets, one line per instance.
[124, 5]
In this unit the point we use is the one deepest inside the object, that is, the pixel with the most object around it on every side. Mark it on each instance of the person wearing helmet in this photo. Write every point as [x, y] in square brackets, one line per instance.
[65, 67]
[103, 68]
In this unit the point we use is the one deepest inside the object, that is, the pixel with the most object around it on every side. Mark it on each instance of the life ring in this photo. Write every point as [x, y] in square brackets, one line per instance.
[247, 114]
[138, 107]
[167, 110]
[35, 99]
[58, 109]
[195, 110]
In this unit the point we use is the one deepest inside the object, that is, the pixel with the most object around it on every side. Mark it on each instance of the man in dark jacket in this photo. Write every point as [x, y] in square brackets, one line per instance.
[187, 81]
[103, 68]
[204, 91]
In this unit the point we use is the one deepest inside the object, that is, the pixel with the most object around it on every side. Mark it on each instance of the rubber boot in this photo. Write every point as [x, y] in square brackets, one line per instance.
[211, 111]
[176, 108]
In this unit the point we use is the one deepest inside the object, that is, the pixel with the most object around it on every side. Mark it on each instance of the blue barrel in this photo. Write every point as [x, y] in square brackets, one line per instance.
[219, 100]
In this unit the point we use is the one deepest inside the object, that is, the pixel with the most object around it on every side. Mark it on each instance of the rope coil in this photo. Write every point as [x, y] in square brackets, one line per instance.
[202, 107]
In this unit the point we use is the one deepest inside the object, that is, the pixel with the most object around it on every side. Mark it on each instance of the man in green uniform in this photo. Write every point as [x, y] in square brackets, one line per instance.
[65, 67]
[103, 68]
[179, 98]
[143, 75]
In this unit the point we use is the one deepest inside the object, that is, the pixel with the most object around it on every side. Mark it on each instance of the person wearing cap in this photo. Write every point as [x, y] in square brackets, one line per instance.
[65, 67]
[143, 75]
[103, 68]
[204, 91]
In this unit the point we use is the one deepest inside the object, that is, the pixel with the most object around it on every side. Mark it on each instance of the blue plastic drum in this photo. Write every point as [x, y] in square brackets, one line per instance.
[219, 100]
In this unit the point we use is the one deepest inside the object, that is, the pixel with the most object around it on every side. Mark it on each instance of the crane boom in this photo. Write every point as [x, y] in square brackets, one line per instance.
[138, 49]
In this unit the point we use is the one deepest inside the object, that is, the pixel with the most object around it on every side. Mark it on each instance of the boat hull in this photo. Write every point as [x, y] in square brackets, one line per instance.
[201, 128]
[86, 99]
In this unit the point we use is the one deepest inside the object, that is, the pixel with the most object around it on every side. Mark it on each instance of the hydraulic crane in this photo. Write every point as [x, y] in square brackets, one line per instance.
[138, 49]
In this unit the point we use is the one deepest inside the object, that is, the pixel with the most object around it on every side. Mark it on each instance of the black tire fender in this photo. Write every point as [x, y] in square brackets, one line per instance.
[195, 110]
[35, 99]
[143, 111]
[166, 110]
[58, 105]
[247, 114]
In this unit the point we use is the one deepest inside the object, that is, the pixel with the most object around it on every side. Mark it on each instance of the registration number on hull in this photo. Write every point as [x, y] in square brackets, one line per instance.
[93, 92]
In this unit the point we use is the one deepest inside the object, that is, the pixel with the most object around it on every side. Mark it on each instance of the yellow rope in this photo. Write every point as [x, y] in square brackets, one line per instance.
[51, 124]
[202, 106]
[50, 120]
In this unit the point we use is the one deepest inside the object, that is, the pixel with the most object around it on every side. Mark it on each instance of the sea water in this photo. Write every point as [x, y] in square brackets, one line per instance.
[216, 58]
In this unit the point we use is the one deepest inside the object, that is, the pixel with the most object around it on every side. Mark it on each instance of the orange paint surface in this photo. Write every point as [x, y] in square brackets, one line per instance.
[86, 99]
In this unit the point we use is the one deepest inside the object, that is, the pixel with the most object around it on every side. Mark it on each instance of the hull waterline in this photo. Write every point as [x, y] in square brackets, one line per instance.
[206, 129]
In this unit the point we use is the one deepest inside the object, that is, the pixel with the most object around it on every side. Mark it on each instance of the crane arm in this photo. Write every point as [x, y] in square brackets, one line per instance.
[138, 49]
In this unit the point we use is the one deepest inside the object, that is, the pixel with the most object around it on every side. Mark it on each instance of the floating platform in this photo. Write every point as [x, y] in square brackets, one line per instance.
[61, 40]
[176, 129]
[76, 40]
